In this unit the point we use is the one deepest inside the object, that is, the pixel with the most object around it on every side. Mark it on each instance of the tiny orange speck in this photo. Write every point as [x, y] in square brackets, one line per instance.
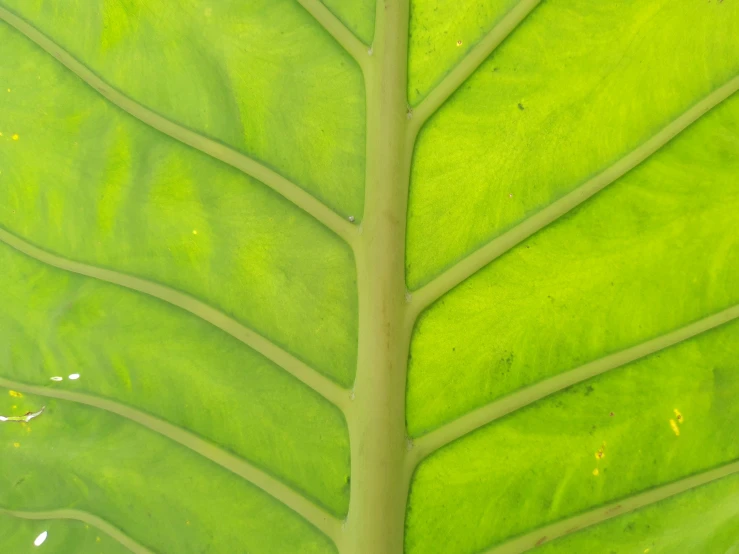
[600, 454]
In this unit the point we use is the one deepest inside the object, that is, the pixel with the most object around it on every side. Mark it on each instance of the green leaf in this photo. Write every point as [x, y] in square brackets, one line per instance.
[369, 277]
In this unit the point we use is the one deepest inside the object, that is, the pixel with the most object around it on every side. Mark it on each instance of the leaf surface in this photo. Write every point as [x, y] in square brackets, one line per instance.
[199, 204]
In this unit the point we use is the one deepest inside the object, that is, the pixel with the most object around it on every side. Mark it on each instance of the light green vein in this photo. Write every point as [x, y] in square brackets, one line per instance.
[429, 443]
[319, 383]
[459, 74]
[302, 199]
[90, 519]
[354, 47]
[424, 296]
[565, 527]
[311, 512]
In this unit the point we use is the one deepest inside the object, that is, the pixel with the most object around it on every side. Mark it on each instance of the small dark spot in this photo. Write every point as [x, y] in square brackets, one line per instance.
[588, 390]
[495, 69]
[611, 414]
[454, 349]
[520, 106]
[19, 481]
[540, 541]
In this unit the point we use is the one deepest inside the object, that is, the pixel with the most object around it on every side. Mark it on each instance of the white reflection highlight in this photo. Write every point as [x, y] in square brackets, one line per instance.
[40, 539]
[57, 378]
[74, 376]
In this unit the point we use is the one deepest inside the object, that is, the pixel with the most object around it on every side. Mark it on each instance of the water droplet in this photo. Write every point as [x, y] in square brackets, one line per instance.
[74, 376]
[57, 378]
[40, 539]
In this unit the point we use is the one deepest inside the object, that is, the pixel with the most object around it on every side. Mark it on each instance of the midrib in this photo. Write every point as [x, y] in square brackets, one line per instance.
[376, 418]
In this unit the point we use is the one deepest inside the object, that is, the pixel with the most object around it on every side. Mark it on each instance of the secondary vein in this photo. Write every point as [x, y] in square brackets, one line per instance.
[317, 516]
[598, 515]
[310, 377]
[474, 58]
[341, 34]
[110, 530]
[427, 294]
[429, 443]
[292, 192]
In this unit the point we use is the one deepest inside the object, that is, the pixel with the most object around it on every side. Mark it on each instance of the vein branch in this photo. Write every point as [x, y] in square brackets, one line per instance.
[310, 377]
[245, 164]
[603, 513]
[468, 266]
[341, 34]
[110, 530]
[317, 516]
[429, 443]
[474, 58]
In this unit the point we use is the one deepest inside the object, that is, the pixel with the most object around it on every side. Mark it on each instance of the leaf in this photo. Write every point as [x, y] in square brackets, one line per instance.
[291, 276]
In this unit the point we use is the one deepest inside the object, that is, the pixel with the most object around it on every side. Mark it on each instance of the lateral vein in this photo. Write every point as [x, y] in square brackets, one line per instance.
[468, 266]
[310, 377]
[85, 517]
[311, 512]
[341, 34]
[434, 440]
[474, 58]
[603, 513]
[292, 192]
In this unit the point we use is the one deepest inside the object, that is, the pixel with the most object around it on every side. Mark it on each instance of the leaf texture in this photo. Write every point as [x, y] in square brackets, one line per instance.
[369, 277]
